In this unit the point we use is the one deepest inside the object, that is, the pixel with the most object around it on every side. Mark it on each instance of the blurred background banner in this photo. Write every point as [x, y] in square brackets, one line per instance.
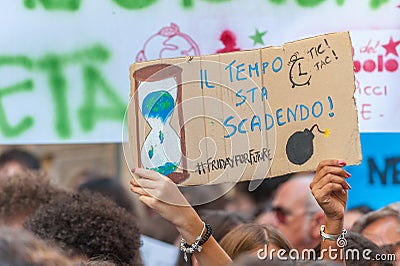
[377, 68]
[64, 65]
[376, 181]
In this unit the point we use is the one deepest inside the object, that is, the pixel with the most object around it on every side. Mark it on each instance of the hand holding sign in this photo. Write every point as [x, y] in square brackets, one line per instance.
[162, 195]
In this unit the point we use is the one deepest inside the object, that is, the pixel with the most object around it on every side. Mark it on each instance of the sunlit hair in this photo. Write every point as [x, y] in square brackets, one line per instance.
[20, 247]
[22, 194]
[250, 237]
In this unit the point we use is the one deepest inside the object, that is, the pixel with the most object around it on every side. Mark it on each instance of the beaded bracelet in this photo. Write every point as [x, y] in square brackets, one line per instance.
[206, 236]
[189, 249]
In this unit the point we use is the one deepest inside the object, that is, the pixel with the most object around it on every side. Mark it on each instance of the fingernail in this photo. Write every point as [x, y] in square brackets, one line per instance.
[342, 163]
[348, 174]
[133, 170]
[349, 186]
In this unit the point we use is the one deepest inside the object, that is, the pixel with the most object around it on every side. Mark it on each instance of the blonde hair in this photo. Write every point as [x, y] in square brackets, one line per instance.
[248, 237]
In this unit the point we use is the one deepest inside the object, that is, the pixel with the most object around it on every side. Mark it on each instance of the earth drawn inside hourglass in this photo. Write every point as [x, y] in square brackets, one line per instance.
[161, 149]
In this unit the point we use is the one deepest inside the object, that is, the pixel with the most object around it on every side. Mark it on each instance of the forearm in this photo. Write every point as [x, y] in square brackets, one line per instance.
[173, 207]
[190, 226]
[330, 190]
[330, 249]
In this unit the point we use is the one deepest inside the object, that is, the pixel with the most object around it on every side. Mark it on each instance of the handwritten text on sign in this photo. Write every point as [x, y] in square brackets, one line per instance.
[244, 115]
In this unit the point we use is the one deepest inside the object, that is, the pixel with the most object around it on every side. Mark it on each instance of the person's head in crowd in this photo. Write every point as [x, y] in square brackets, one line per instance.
[360, 251]
[222, 221]
[382, 227]
[353, 214]
[252, 203]
[110, 188]
[83, 176]
[296, 213]
[21, 195]
[19, 247]
[97, 261]
[15, 161]
[265, 217]
[87, 225]
[250, 238]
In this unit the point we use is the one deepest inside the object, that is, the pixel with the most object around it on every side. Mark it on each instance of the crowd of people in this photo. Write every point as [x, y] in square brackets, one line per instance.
[296, 219]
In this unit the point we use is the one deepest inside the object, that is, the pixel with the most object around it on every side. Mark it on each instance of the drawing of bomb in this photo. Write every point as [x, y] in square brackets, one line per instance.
[168, 42]
[300, 146]
[296, 75]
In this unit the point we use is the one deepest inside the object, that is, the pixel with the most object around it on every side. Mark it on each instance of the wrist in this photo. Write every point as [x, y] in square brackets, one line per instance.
[183, 217]
[333, 225]
[189, 225]
[340, 239]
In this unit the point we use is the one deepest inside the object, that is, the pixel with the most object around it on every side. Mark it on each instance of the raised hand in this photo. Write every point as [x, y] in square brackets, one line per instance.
[330, 188]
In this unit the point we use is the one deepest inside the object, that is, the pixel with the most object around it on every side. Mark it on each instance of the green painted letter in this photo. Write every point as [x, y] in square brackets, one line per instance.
[134, 4]
[90, 110]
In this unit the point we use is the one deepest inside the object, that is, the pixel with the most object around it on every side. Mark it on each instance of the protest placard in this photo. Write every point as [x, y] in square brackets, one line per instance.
[245, 115]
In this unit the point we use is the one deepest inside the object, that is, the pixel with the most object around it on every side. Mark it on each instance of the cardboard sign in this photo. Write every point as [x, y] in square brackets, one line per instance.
[245, 115]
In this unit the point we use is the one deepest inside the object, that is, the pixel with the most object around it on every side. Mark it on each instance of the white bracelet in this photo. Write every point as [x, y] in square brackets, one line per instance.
[189, 249]
[339, 238]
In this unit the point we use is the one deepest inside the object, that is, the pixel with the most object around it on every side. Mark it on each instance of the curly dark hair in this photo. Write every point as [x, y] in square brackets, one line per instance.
[21, 195]
[88, 224]
[110, 188]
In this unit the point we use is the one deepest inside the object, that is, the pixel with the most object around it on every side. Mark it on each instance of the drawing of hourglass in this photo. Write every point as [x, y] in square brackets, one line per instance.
[158, 93]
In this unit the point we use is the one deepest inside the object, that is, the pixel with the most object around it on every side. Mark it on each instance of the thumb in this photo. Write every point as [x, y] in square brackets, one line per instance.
[149, 201]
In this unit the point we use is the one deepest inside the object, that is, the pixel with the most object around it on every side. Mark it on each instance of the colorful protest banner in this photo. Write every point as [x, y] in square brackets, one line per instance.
[376, 66]
[69, 84]
[376, 180]
[253, 114]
